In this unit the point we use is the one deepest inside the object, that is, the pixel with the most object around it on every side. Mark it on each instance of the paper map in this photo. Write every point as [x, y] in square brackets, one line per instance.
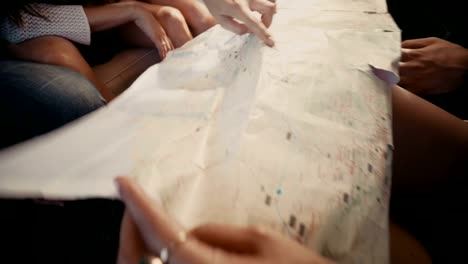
[296, 137]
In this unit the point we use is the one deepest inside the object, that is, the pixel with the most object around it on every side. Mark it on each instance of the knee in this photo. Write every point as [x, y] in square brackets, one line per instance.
[60, 51]
[73, 94]
[171, 16]
[47, 50]
[38, 98]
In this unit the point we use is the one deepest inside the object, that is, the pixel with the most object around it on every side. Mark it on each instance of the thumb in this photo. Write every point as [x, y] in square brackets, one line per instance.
[131, 246]
[245, 240]
[159, 231]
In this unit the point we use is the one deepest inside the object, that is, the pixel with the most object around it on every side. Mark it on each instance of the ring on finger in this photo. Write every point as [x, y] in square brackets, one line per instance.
[165, 252]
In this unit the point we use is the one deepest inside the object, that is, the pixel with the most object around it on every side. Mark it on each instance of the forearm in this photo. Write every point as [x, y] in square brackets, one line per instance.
[163, 2]
[465, 59]
[179, 4]
[61, 52]
[110, 16]
[464, 66]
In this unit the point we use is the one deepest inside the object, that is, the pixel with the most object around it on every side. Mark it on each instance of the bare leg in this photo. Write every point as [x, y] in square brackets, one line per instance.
[61, 52]
[172, 23]
[430, 172]
[431, 145]
[404, 248]
[196, 13]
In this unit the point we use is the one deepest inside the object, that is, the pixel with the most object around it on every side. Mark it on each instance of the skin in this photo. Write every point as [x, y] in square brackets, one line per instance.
[150, 25]
[431, 147]
[146, 229]
[432, 66]
[196, 14]
[237, 16]
[140, 24]
[66, 55]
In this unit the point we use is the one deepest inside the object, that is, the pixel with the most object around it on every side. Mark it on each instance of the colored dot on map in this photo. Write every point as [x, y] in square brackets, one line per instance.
[279, 192]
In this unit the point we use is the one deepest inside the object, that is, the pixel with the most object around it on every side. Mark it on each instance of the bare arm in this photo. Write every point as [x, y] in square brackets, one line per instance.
[465, 59]
[110, 16]
[236, 16]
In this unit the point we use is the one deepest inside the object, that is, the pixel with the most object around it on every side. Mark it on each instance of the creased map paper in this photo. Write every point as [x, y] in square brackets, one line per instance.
[295, 137]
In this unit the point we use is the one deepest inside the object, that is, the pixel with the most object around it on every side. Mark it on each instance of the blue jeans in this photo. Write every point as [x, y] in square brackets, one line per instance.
[37, 98]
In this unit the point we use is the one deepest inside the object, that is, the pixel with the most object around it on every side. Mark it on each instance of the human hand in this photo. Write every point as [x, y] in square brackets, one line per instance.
[146, 230]
[432, 66]
[147, 23]
[105, 17]
[229, 14]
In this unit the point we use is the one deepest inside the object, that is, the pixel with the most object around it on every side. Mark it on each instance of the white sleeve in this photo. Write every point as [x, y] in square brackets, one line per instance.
[68, 21]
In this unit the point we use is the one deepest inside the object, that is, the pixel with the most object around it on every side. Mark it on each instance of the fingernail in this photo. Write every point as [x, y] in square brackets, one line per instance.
[270, 41]
[118, 183]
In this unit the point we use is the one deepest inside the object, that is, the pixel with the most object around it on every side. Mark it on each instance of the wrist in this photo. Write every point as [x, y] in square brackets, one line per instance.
[135, 9]
[112, 15]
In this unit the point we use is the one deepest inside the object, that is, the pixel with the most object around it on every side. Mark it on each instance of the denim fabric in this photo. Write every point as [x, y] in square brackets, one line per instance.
[37, 98]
